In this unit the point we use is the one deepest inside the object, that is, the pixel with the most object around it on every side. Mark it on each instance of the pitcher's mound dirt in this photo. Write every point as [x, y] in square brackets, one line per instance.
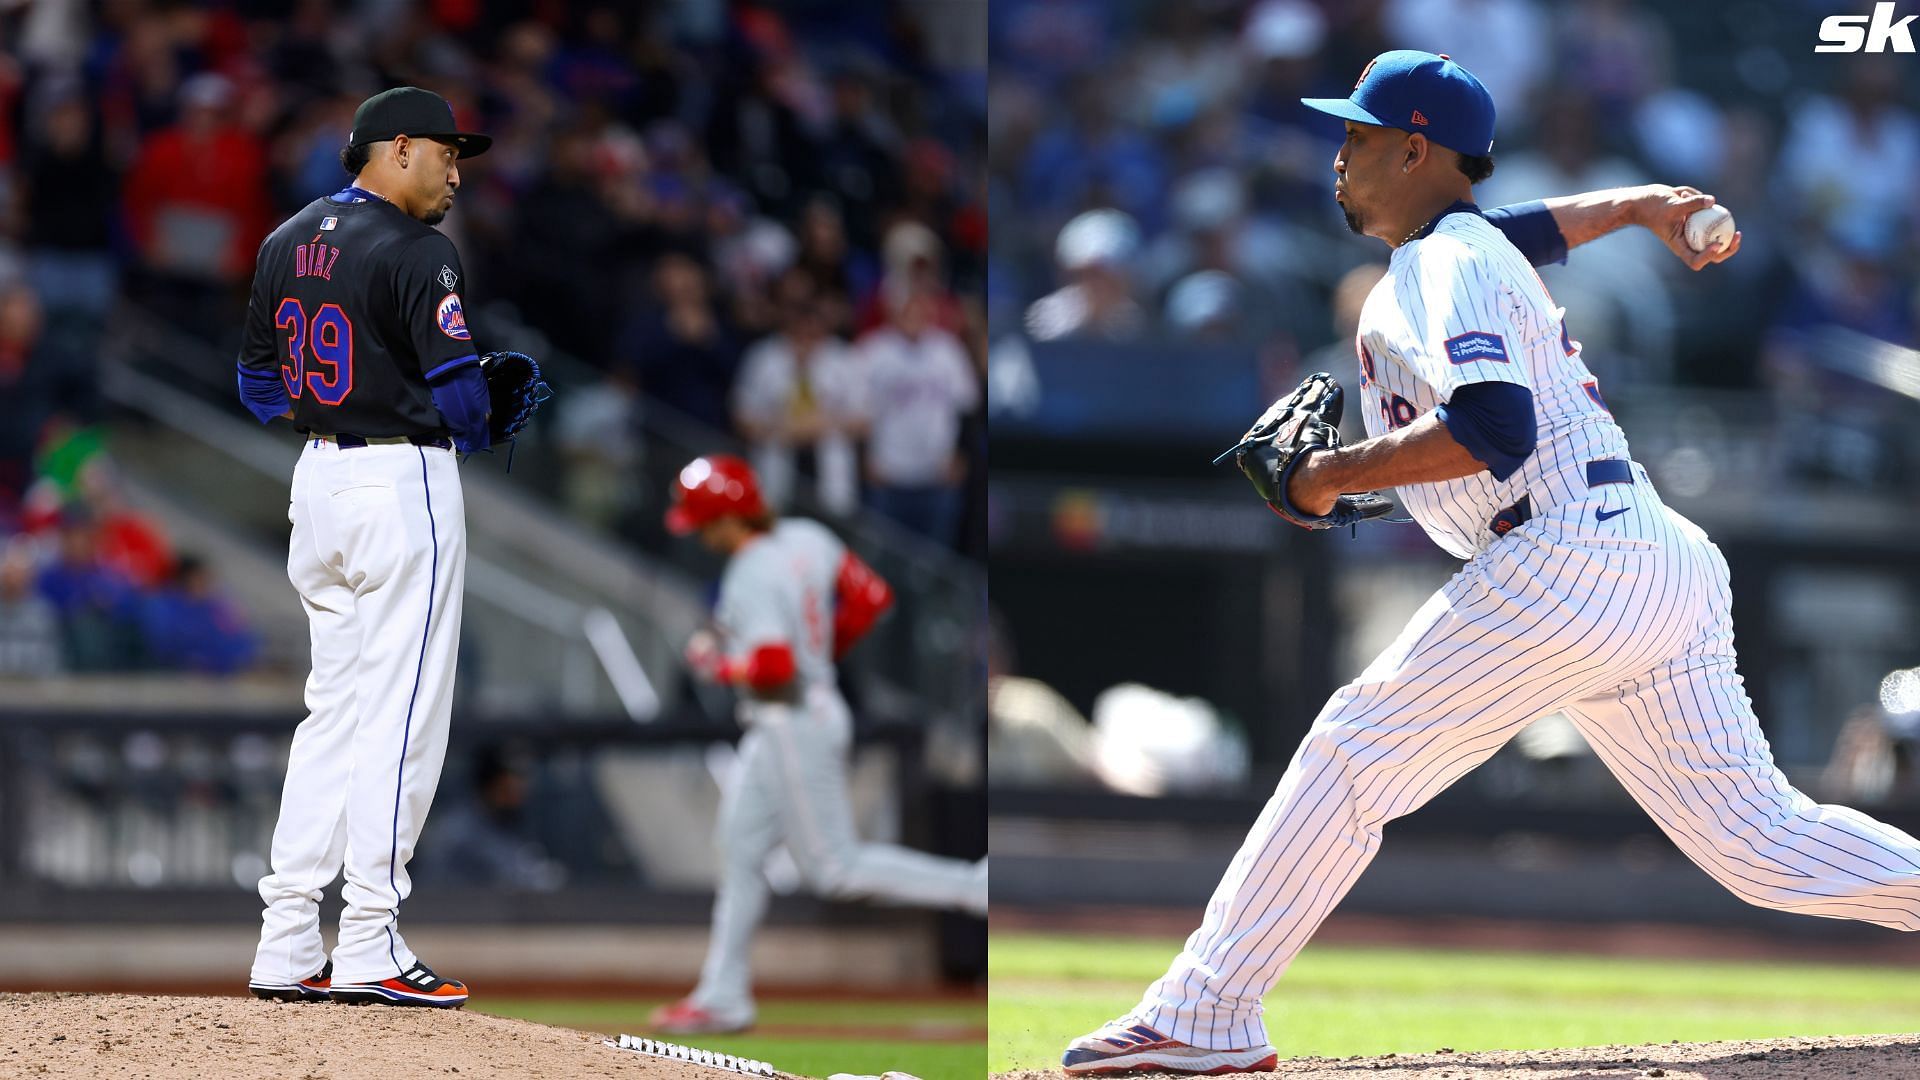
[1865, 1057]
[134, 1037]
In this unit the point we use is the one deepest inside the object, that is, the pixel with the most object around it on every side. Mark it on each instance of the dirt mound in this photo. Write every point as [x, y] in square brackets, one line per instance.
[1866, 1057]
[134, 1037]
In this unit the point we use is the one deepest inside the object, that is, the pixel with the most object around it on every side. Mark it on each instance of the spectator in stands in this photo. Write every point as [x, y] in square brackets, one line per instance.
[1184, 68]
[1208, 306]
[25, 395]
[798, 400]
[840, 272]
[29, 625]
[98, 608]
[913, 265]
[1855, 157]
[1094, 253]
[565, 240]
[1089, 156]
[130, 543]
[598, 435]
[1282, 48]
[485, 840]
[749, 255]
[68, 185]
[686, 355]
[920, 385]
[196, 202]
[189, 626]
[1215, 232]
[1508, 44]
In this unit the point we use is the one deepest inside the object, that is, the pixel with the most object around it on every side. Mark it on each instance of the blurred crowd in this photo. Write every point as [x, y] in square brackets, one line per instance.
[1153, 176]
[90, 584]
[764, 218]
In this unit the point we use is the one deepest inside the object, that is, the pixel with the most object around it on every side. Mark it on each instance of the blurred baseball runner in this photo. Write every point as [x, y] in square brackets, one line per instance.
[793, 600]
[355, 332]
[1582, 592]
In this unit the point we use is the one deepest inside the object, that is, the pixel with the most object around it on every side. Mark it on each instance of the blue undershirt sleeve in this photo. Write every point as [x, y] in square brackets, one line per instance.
[1530, 227]
[1494, 421]
[461, 397]
[262, 392]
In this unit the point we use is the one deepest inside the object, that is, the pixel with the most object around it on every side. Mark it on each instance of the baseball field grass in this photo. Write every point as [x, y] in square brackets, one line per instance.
[1343, 1000]
[934, 1040]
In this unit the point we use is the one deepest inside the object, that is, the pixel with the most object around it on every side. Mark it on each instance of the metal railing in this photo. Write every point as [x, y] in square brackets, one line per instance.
[106, 815]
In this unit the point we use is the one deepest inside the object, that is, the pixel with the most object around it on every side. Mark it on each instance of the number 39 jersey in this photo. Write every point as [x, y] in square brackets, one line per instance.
[779, 588]
[356, 305]
[1458, 306]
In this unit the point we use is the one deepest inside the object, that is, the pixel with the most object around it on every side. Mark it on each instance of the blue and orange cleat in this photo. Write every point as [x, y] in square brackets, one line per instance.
[417, 985]
[311, 988]
[1126, 1045]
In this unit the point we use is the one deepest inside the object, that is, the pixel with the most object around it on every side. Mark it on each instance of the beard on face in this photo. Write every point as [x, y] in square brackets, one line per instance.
[1353, 220]
[435, 217]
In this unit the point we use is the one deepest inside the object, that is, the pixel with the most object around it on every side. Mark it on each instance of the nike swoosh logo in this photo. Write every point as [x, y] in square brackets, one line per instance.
[1602, 515]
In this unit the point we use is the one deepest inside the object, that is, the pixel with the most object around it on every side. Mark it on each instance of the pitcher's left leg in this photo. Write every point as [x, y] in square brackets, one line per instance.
[410, 601]
[1686, 745]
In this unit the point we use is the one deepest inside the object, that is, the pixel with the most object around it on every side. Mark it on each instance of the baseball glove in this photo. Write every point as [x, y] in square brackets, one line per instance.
[515, 392]
[1303, 422]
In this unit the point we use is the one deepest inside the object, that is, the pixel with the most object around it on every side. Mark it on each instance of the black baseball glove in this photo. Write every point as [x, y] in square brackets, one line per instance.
[515, 391]
[1304, 421]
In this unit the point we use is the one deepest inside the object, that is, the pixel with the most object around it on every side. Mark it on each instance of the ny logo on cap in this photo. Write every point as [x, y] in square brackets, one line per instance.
[1365, 71]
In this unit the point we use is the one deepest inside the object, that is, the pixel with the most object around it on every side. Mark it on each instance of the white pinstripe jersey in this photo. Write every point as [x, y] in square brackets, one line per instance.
[780, 588]
[1462, 305]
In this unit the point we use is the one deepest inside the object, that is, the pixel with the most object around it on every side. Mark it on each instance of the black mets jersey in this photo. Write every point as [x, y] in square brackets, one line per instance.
[357, 305]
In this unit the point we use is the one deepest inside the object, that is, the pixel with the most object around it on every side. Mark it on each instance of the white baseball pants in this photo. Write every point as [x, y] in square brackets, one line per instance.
[378, 554]
[1625, 629]
[790, 784]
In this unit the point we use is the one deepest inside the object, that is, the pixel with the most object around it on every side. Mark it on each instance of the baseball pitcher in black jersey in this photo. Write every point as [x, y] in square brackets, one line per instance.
[355, 332]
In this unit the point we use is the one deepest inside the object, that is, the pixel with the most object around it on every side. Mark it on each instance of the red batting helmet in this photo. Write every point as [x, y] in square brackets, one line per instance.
[710, 488]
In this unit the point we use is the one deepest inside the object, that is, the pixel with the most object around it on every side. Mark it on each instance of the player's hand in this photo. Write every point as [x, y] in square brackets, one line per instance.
[704, 656]
[1664, 211]
[1307, 489]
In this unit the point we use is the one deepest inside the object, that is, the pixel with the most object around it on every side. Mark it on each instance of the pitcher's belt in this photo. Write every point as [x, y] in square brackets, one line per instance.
[354, 442]
[1599, 473]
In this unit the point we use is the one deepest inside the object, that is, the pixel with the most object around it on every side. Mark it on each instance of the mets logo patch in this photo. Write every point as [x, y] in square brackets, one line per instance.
[453, 321]
[1477, 345]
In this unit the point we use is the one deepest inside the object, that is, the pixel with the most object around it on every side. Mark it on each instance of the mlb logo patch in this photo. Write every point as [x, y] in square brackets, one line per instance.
[1477, 345]
[327, 223]
[453, 321]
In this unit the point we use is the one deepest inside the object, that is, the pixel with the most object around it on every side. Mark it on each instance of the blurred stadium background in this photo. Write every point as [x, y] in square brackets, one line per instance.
[719, 225]
[1166, 257]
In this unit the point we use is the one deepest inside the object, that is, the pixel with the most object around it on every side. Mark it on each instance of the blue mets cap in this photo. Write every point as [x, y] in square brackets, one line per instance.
[1423, 92]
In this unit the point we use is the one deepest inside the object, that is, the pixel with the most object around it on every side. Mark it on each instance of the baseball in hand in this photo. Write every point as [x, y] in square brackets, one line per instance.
[1710, 229]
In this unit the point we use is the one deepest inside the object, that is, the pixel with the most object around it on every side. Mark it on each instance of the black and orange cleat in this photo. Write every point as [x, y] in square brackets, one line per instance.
[417, 985]
[311, 988]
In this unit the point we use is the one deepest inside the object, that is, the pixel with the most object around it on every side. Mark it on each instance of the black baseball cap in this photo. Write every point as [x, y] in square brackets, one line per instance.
[415, 113]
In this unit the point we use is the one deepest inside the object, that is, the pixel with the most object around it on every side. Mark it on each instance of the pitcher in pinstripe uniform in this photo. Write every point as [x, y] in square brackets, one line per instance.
[1582, 592]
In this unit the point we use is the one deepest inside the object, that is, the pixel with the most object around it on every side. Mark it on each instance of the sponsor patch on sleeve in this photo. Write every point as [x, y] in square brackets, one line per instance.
[1477, 345]
[453, 321]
